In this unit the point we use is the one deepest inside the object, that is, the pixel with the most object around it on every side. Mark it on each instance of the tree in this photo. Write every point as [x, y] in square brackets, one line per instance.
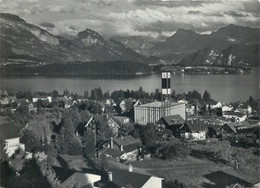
[106, 95]
[86, 94]
[50, 151]
[9, 178]
[88, 141]
[66, 93]
[127, 94]
[117, 96]
[173, 95]
[95, 108]
[30, 139]
[24, 95]
[55, 94]
[206, 96]
[141, 93]
[66, 141]
[149, 135]
[157, 95]
[97, 94]
[173, 150]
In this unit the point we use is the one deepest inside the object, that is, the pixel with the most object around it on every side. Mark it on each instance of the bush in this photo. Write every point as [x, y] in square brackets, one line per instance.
[170, 151]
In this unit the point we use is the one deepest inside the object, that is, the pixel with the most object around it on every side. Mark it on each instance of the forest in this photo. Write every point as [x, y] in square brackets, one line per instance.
[78, 68]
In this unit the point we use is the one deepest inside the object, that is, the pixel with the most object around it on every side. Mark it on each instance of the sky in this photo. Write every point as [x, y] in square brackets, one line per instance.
[151, 18]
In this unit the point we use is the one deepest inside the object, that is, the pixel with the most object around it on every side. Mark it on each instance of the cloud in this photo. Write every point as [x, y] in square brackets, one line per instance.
[135, 17]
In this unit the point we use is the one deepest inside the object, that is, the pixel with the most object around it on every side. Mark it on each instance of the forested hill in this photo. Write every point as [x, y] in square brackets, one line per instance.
[78, 68]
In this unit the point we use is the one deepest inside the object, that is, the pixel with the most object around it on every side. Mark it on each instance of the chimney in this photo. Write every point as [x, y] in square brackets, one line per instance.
[110, 176]
[130, 169]
[111, 143]
[121, 148]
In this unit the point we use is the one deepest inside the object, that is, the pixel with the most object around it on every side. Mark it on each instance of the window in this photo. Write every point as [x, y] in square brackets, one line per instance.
[17, 151]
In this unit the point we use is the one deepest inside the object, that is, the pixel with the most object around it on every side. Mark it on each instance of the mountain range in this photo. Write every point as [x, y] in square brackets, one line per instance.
[21, 40]
[228, 46]
[189, 48]
[228, 39]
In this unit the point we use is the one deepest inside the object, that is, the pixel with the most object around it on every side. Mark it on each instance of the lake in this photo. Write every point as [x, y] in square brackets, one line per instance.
[226, 88]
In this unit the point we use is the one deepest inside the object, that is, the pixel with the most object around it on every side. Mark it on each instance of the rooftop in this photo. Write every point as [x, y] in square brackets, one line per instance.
[212, 102]
[112, 152]
[159, 104]
[239, 124]
[232, 113]
[124, 178]
[196, 126]
[173, 120]
[126, 140]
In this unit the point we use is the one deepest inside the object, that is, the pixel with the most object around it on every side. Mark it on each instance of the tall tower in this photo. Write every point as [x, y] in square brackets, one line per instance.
[166, 91]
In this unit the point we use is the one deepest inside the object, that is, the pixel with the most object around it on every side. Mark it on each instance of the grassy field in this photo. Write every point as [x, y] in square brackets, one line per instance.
[190, 171]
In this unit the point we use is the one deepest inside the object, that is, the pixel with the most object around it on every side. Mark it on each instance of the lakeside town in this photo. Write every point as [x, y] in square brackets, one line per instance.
[129, 94]
[128, 139]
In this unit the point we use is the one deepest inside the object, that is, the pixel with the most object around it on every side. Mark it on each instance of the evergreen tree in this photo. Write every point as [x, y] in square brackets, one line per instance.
[86, 94]
[106, 95]
[206, 96]
[66, 142]
[88, 141]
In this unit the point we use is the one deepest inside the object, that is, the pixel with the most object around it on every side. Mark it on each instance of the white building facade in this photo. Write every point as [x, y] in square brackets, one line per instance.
[152, 112]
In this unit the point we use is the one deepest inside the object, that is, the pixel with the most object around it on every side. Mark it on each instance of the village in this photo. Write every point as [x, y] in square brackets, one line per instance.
[128, 139]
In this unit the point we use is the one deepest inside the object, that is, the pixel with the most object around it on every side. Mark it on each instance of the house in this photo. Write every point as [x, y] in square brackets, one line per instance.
[214, 131]
[110, 102]
[15, 151]
[256, 185]
[142, 101]
[83, 178]
[236, 127]
[226, 108]
[19, 102]
[111, 153]
[128, 144]
[3, 93]
[174, 123]
[183, 101]
[214, 104]
[13, 147]
[236, 116]
[7, 100]
[114, 125]
[254, 120]
[190, 109]
[31, 108]
[69, 103]
[127, 104]
[122, 119]
[194, 130]
[82, 100]
[118, 178]
[246, 108]
[36, 99]
[98, 121]
[114, 178]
